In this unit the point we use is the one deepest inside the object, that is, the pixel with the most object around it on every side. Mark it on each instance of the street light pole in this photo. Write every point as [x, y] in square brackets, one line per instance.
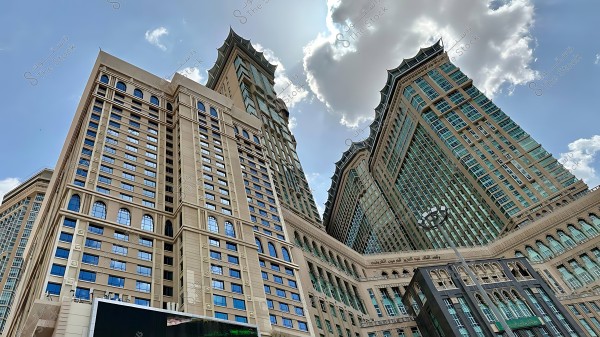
[435, 219]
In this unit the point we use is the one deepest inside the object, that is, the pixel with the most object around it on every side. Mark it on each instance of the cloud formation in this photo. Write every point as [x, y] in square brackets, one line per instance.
[291, 90]
[193, 73]
[154, 37]
[292, 123]
[580, 158]
[344, 64]
[597, 61]
[319, 185]
[8, 184]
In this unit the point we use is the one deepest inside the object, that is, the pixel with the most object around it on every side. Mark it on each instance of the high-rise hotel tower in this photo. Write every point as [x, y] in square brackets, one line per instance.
[172, 198]
[437, 140]
[247, 78]
[163, 197]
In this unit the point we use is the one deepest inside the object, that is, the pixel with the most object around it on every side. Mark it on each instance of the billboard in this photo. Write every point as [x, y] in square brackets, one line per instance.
[118, 319]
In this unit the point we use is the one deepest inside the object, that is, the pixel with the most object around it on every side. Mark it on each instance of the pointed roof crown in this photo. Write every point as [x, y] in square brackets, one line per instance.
[232, 40]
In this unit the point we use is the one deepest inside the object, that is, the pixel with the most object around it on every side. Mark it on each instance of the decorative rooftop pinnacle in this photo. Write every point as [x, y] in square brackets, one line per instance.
[380, 113]
[233, 39]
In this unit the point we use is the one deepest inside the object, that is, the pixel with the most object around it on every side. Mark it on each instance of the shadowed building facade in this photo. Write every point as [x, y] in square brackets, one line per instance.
[247, 78]
[172, 195]
[446, 302]
[437, 140]
[18, 212]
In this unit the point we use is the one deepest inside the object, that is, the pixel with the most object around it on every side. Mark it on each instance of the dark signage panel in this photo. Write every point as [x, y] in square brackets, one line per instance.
[114, 319]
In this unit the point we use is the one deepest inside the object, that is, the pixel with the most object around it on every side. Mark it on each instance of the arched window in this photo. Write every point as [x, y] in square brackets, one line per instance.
[154, 100]
[256, 140]
[331, 258]
[138, 93]
[297, 239]
[577, 234]
[99, 210]
[74, 203]
[544, 250]
[564, 238]
[245, 134]
[286, 254]
[104, 79]
[229, 230]
[121, 86]
[595, 220]
[556, 246]
[272, 250]
[201, 107]
[147, 223]
[169, 107]
[124, 217]
[533, 254]
[315, 248]
[324, 252]
[213, 226]
[213, 112]
[169, 229]
[235, 129]
[519, 254]
[591, 231]
[259, 245]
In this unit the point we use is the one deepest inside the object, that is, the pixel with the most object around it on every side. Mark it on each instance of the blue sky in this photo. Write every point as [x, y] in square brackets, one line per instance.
[539, 60]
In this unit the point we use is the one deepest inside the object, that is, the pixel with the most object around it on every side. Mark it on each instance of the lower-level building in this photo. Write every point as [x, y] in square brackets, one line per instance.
[446, 301]
[361, 295]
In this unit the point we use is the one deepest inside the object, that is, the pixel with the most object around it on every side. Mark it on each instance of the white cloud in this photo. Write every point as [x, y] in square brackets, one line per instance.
[8, 184]
[292, 123]
[319, 185]
[291, 91]
[597, 61]
[344, 65]
[154, 36]
[580, 158]
[193, 73]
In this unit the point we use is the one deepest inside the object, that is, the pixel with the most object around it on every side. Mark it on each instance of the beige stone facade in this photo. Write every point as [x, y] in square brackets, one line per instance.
[18, 212]
[384, 273]
[164, 195]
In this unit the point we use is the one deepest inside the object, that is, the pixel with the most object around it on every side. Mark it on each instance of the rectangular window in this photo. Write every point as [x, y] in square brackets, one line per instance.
[237, 288]
[105, 168]
[118, 265]
[142, 286]
[144, 271]
[120, 250]
[126, 197]
[219, 285]
[96, 229]
[116, 281]
[235, 273]
[69, 223]
[129, 166]
[215, 269]
[94, 244]
[142, 255]
[239, 304]
[131, 148]
[65, 237]
[220, 301]
[127, 187]
[90, 259]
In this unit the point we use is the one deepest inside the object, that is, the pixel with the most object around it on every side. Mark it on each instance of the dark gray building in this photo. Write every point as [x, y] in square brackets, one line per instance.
[446, 302]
